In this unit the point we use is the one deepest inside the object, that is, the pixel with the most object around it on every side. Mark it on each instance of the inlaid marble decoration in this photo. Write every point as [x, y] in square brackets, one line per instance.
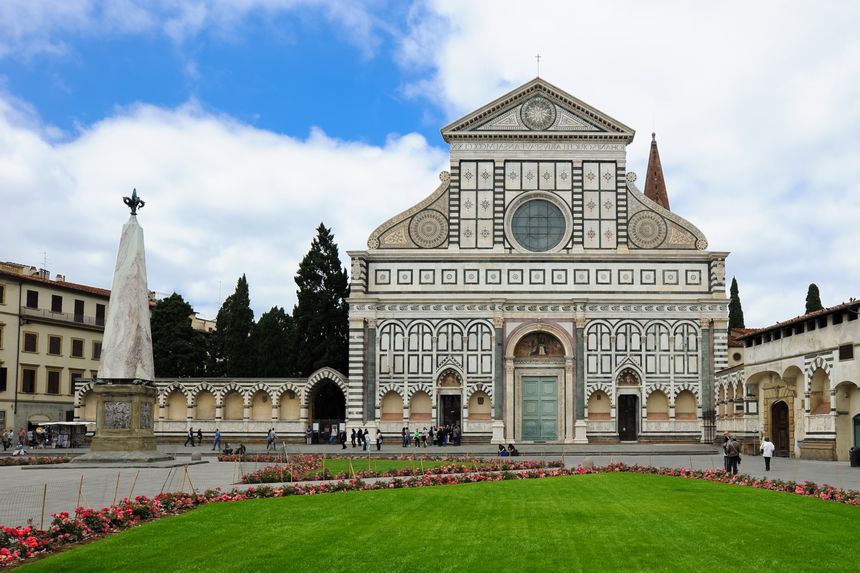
[117, 415]
[145, 415]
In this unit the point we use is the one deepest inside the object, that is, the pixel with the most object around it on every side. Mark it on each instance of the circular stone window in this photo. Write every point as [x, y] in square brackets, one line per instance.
[538, 225]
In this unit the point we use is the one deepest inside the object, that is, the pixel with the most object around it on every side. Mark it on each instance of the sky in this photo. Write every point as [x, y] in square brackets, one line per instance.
[246, 123]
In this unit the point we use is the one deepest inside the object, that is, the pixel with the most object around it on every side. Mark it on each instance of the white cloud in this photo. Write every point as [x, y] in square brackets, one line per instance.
[31, 27]
[754, 104]
[223, 198]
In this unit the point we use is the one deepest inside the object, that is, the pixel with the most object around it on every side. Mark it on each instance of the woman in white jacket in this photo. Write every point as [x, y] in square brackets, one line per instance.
[767, 449]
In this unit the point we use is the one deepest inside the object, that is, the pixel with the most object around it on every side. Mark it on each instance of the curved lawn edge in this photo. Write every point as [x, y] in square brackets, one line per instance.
[21, 543]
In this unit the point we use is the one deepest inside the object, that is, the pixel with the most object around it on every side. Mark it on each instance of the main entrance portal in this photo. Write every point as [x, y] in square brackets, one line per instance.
[540, 408]
[328, 411]
[779, 428]
[450, 406]
[628, 404]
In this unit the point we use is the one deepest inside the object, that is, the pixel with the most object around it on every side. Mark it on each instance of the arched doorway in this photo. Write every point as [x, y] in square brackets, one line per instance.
[539, 362]
[449, 389]
[327, 410]
[779, 428]
[857, 431]
[628, 384]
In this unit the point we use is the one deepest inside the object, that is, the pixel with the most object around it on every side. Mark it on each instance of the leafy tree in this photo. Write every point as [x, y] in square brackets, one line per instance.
[736, 312]
[813, 299]
[178, 349]
[231, 352]
[321, 314]
[272, 338]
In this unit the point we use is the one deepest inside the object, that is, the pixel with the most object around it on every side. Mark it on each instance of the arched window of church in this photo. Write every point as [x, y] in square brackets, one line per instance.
[628, 343]
[598, 339]
[391, 349]
[449, 342]
[479, 349]
[657, 349]
[420, 355]
[685, 341]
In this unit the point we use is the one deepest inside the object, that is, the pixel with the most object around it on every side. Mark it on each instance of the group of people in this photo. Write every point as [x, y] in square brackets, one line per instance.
[191, 436]
[38, 438]
[507, 452]
[732, 453]
[271, 440]
[361, 437]
[435, 436]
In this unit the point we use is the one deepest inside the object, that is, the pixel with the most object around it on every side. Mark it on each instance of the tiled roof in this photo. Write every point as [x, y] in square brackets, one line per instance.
[852, 304]
[655, 185]
[62, 284]
[735, 336]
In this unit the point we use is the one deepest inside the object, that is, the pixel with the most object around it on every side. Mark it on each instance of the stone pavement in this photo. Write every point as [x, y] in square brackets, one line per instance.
[63, 487]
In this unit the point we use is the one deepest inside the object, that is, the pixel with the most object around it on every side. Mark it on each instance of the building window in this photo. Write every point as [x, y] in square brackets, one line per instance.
[100, 314]
[4, 376]
[1, 336]
[97, 350]
[79, 310]
[55, 345]
[2, 294]
[53, 381]
[846, 352]
[77, 348]
[32, 299]
[538, 225]
[56, 303]
[736, 356]
[31, 340]
[28, 380]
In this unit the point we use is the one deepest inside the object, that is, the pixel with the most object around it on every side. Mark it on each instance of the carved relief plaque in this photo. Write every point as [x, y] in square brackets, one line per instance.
[145, 416]
[117, 415]
[539, 345]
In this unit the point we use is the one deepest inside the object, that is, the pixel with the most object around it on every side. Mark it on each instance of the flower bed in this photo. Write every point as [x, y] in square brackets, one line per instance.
[33, 460]
[279, 474]
[20, 543]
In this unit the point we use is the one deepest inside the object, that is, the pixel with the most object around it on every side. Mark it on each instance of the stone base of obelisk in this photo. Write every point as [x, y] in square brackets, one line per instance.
[124, 416]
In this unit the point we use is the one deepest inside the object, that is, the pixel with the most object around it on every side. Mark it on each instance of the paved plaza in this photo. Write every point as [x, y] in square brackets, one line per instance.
[64, 486]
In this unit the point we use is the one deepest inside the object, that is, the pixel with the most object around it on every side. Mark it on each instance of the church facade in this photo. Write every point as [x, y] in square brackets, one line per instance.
[537, 295]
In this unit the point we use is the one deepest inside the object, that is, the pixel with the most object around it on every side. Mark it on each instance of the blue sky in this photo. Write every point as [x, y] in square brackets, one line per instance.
[245, 124]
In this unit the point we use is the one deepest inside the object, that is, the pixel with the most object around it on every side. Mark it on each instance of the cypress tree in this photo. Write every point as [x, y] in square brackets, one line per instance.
[736, 312]
[813, 299]
[321, 313]
[178, 349]
[272, 339]
[231, 351]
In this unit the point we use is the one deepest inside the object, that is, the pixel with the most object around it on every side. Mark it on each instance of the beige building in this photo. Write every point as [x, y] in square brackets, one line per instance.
[50, 336]
[797, 382]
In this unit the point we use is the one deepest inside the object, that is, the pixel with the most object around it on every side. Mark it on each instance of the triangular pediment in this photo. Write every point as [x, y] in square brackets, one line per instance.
[537, 109]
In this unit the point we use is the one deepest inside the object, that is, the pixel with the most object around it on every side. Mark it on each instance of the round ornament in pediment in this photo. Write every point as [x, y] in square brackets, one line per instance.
[647, 230]
[631, 177]
[428, 229]
[538, 113]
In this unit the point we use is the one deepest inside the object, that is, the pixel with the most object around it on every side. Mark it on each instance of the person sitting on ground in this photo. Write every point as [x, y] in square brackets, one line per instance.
[227, 449]
[503, 452]
[240, 451]
[512, 450]
[19, 450]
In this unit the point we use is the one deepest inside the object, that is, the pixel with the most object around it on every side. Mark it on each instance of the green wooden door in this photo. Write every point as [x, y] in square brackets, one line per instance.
[540, 408]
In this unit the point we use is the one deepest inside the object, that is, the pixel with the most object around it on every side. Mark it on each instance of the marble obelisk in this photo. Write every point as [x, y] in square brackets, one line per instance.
[124, 390]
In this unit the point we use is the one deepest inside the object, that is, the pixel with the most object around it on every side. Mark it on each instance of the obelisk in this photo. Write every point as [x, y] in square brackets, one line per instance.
[124, 389]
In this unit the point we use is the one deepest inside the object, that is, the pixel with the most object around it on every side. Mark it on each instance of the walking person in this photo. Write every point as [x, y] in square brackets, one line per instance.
[733, 451]
[767, 449]
[199, 436]
[216, 441]
[352, 437]
[270, 440]
[189, 438]
[309, 436]
[725, 451]
[378, 440]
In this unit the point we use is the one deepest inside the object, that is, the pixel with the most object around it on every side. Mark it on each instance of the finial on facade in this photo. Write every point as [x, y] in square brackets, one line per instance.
[653, 136]
[537, 57]
[134, 202]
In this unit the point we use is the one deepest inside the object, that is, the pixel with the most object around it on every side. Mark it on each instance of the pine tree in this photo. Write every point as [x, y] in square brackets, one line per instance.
[321, 314]
[813, 299]
[272, 339]
[736, 312]
[231, 352]
[178, 349]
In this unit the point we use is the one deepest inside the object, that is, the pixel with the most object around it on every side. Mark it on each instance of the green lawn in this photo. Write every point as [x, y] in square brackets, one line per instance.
[605, 522]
